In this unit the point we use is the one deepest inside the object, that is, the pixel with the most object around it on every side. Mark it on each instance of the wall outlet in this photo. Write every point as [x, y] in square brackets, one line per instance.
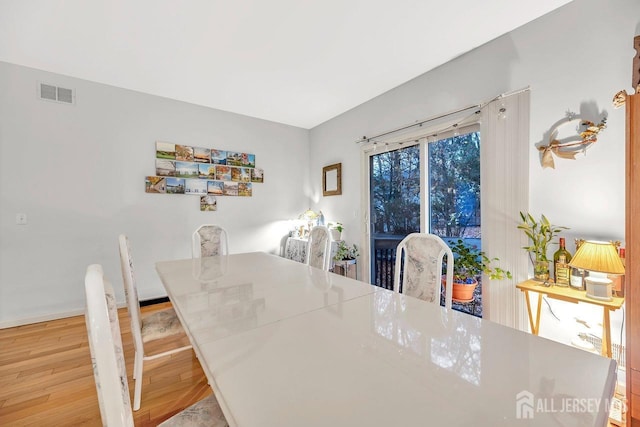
[21, 219]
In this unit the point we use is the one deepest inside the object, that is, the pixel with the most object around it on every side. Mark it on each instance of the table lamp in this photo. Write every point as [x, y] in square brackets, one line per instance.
[600, 259]
[311, 218]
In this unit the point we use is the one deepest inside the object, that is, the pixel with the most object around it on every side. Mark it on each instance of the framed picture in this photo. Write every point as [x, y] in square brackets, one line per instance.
[186, 170]
[175, 186]
[165, 150]
[184, 153]
[201, 155]
[257, 175]
[230, 188]
[208, 203]
[218, 157]
[332, 180]
[155, 184]
[165, 167]
[215, 187]
[245, 189]
[195, 186]
[234, 159]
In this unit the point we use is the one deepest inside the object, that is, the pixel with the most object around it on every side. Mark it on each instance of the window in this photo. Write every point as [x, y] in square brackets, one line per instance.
[504, 172]
[440, 195]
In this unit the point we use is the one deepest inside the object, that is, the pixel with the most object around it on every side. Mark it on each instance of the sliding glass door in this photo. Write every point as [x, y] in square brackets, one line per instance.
[454, 187]
[394, 207]
[429, 187]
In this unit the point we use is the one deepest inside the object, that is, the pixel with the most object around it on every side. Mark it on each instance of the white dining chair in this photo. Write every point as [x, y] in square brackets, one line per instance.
[419, 260]
[209, 240]
[319, 247]
[107, 357]
[154, 326]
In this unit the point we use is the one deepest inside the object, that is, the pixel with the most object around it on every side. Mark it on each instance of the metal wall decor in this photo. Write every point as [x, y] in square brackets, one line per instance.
[566, 148]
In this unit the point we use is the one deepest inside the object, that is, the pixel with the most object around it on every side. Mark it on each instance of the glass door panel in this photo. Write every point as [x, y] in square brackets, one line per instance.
[395, 207]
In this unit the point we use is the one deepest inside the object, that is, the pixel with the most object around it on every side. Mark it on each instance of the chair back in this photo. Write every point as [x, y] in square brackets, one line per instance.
[319, 247]
[131, 292]
[105, 344]
[423, 256]
[209, 240]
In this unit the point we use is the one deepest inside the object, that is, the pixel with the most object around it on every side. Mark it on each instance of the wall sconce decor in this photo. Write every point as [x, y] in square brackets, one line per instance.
[567, 148]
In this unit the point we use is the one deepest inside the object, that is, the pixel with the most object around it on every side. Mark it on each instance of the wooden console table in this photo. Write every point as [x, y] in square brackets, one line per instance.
[572, 295]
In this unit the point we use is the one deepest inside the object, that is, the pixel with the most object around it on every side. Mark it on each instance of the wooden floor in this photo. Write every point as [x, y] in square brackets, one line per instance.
[46, 377]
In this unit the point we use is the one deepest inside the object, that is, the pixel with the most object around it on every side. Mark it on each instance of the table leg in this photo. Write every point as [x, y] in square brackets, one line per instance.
[537, 330]
[606, 334]
[534, 326]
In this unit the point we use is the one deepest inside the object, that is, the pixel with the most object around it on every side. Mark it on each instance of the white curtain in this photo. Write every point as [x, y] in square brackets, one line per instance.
[504, 177]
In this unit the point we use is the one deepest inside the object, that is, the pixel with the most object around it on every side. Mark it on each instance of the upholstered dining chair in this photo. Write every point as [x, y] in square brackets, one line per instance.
[419, 259]
[156, 325]
[107, 357]
[209, 240]
[319, 247]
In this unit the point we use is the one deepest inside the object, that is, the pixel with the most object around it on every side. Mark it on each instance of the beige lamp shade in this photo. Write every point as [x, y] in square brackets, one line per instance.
[598, 256]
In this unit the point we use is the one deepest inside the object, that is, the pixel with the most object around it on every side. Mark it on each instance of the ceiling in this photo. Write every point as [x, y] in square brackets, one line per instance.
[298, 62]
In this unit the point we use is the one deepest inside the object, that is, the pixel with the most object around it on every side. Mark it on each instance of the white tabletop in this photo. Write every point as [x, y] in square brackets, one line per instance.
[284, 344]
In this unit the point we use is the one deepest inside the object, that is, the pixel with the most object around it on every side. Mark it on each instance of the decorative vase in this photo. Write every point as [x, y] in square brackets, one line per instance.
[541, 271]
[335, 234]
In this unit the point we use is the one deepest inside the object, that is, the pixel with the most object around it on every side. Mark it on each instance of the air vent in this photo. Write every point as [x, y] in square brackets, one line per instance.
[57, 94]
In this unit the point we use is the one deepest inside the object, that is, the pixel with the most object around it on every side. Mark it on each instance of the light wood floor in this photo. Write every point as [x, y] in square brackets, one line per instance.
[46, 377]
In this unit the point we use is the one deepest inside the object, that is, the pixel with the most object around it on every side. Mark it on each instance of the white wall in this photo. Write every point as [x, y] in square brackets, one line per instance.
[575, 58]
[78, 173]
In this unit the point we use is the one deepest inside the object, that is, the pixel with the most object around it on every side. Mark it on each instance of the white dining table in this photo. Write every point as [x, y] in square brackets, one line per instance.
[284, 344]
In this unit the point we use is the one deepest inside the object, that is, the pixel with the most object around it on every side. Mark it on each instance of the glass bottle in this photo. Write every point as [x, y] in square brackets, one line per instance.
[577, 278]
[577, 274]
[561, 269]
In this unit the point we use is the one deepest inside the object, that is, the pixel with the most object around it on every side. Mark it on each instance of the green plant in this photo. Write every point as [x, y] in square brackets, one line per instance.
[470, 262]
[540, 234]
[344, 252]
[336, 226]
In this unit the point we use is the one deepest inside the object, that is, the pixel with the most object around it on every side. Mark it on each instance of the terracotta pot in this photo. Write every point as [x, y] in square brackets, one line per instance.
[462, 291]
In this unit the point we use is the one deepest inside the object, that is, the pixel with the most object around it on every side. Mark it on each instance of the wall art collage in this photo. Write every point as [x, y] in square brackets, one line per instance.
[206, 172]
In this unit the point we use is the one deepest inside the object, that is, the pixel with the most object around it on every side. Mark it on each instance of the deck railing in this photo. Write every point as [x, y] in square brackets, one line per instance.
[384, 258]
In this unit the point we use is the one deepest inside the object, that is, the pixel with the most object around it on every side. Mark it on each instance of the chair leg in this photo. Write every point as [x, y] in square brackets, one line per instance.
[137, 392]
[135, 366]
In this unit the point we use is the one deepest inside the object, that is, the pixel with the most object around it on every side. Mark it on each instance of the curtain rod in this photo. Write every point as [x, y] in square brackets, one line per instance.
[441, 116]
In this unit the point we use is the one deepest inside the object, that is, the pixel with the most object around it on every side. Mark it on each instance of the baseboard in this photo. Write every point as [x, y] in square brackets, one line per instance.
[38, 319]
[71, 313]
[44, 318]
[154, 301]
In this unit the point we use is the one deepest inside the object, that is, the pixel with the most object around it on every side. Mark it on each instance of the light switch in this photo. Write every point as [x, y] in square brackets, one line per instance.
[21, 219]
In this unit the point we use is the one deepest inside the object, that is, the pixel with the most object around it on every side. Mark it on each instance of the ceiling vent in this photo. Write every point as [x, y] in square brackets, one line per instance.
[56, 94]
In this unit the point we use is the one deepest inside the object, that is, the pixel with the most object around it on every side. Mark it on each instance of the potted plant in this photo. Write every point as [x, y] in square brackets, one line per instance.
[540, 234]
[469, 263]
[336, 230]
[344, 260]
